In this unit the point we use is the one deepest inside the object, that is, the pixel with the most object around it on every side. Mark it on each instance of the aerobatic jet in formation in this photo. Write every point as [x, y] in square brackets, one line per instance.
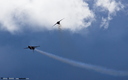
[58, 22]
[31, 47]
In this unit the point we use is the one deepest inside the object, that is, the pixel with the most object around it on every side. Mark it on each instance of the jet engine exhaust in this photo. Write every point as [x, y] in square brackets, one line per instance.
[85, 65]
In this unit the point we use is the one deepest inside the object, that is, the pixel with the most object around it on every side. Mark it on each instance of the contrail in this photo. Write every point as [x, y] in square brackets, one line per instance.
[85, 65]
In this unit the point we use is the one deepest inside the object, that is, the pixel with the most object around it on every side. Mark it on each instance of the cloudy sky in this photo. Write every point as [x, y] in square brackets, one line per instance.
[92, 32]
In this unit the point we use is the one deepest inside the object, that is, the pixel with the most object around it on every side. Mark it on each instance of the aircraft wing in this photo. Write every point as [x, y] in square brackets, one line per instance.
[26, 48]
[61, 19]
[54, 25]
[35, 46]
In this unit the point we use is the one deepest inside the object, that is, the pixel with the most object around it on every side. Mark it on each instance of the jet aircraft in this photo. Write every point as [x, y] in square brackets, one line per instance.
[31, 47]
[58, 22]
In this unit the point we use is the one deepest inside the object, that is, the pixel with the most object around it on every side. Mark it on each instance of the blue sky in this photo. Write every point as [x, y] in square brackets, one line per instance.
[93, 32]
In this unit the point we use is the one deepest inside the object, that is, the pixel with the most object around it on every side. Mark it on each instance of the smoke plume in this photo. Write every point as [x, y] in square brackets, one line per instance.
[85, 65]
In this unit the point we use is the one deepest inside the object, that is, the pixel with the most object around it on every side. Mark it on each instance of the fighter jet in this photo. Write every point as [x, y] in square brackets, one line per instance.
[58, 22]
[31, 47]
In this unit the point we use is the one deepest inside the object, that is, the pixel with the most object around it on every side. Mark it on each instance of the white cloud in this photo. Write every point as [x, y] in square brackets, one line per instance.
[44, 13]
[105, 23]
[16, 15]
[109, 6]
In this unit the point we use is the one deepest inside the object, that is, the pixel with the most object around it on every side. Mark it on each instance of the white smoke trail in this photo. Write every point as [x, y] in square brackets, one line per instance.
[85, 65]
